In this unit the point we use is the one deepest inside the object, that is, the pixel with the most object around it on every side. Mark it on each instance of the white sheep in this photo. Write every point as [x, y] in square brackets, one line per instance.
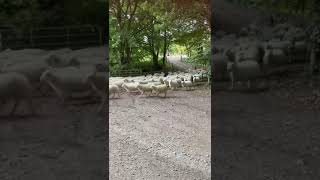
[275, 57]
[97, 82]
[174, 84]
[243, 71]
[220, 62]
[15, 86]
[114, 89]
[66, 81]
[145, 88]
[159, 89]
[130, 87]
[187, 84]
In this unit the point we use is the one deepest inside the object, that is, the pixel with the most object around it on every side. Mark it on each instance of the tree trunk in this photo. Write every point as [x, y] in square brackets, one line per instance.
[155, 60]
[122, 54]
[128, 52]
[164, 48]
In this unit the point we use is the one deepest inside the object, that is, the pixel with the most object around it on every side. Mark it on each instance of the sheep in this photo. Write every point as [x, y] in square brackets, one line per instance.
[160, 89]
[66, 81]
[299, 52]
[113, 89]
[15, 86]
[278, 44]
[274, 57]
[174, 84]
[253, 52]
[187, 84]
[97, 82]
[166, 82]
[33, 70]
[56, 61]
[130, 87]
[243, 71]
[145, 88]
[220, 62]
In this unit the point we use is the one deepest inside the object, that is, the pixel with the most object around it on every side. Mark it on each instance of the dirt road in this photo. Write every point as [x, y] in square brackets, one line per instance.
[161, 138]
[267, 135]
[59, 143]
[178, 63]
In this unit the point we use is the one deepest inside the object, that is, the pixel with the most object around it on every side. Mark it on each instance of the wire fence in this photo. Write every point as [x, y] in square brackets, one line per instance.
[73, 37]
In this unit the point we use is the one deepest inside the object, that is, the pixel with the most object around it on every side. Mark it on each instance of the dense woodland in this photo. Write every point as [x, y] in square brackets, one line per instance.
[23, 14]
[290, 7]
[143, 32]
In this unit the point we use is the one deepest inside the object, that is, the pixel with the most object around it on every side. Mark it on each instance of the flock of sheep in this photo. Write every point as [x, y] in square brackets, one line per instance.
[67, 73]
[158, 83]
[256, 51]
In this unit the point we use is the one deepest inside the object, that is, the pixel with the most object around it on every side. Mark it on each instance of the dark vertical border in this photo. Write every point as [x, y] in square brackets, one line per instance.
[107, 104]
[212, 94]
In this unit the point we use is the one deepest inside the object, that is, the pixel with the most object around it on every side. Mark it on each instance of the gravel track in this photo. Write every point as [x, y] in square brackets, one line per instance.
[161, 138]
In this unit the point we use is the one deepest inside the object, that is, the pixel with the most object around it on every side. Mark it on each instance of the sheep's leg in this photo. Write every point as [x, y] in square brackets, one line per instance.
[248, 84]
[231, 80]
[165, 94]
[141, 92]
[57, 91]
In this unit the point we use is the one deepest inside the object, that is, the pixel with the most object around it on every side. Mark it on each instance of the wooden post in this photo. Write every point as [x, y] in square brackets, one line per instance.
[1, 41]
[100, 35]
[68, 37]
[31, 38]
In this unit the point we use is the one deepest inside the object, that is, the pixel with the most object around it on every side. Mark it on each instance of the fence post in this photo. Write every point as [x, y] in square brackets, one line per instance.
[100, 35]
[31, 38]
[68, 37]
[1, 41]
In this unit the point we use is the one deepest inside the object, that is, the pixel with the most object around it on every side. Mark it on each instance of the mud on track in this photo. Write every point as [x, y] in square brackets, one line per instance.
[161, 138]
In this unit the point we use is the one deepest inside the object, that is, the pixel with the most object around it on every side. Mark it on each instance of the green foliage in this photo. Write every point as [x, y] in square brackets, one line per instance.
[24, 14]
[141, 31]
[293, 7]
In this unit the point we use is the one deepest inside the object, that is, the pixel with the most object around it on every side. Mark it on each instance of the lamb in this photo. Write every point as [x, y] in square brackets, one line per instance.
[113, 89]
[243, 71]
[15, 86]
[144, 88]
[160, 89]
